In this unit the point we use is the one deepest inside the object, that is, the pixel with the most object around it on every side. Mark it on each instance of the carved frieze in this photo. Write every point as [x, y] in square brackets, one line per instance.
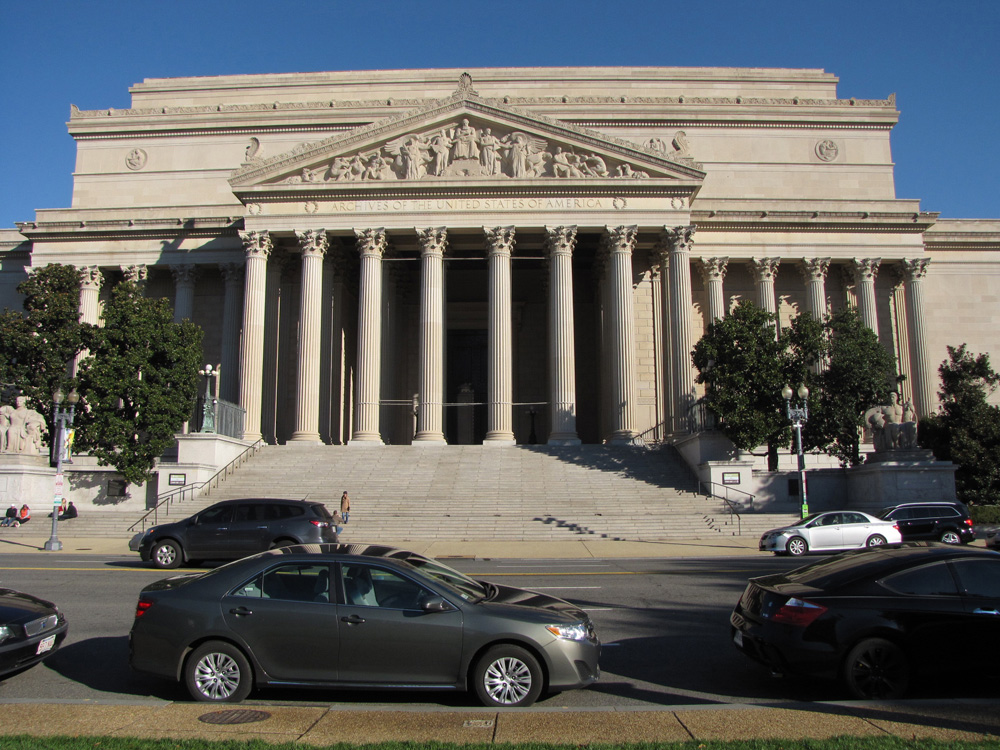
[460, 150]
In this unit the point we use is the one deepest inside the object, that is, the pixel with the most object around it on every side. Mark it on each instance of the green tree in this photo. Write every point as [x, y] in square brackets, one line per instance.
[967, 428]
[858, 375]
[37, 347]
[139, 384]
[744, 368]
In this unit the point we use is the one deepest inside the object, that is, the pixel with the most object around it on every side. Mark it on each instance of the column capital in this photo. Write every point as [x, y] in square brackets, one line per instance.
[713, 269]
[186, 273]
[136, 273]
[677, 239]
[765, 269]
[313, 242]
[232, 272]
[499, 240]
[621, 239]
[257, 244]
[815, 269]
[432, 240]
[865, 269]
[91, 277]
[372, 243]
[560, 240]
[915, 269]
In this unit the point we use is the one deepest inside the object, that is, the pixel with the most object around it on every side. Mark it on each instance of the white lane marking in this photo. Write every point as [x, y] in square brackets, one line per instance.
[544, 588]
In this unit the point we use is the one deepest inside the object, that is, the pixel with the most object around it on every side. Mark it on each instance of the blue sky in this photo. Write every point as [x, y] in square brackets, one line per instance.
[941, 58]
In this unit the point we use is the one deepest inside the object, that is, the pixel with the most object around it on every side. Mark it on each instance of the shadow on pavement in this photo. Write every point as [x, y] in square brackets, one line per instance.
[102, 664]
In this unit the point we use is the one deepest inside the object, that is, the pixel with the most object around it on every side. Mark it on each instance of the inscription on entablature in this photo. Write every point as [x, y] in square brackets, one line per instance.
[465, 204]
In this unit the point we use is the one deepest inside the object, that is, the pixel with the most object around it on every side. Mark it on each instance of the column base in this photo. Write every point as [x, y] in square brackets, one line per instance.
[366, 440]
[626, 439]
[499, 441]
[429, 440]
[304, 437]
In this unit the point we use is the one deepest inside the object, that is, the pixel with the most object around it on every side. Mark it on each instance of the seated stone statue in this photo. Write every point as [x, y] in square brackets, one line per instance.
[893, 426]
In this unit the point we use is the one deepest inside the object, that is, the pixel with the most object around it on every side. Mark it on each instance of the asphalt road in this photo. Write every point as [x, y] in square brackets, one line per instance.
[664, 625]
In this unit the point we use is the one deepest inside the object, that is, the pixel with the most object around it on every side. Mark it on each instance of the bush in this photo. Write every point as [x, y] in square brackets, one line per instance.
[985, 515]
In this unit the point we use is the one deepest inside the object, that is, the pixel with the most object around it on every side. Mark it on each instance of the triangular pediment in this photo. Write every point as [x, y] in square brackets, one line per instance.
[468, 139]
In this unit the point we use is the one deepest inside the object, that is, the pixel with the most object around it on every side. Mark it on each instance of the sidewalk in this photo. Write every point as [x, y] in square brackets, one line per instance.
[320, 726]
[598, 549]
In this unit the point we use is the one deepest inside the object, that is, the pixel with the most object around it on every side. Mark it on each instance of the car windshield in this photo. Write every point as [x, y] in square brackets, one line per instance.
[806, 520]
[459, 583]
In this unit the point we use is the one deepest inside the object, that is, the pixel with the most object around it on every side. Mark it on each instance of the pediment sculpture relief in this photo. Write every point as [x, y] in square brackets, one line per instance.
[461, 150]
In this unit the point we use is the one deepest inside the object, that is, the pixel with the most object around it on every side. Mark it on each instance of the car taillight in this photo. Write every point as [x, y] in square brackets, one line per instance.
[968, 522]
[142, 606]
[798, 612]
[896, 526]
[321, 524]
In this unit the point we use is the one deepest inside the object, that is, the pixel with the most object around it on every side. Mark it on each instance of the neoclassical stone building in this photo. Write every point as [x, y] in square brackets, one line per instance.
[503, 255]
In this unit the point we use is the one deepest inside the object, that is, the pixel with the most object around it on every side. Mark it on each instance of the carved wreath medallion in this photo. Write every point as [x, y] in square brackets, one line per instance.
[135, 159]
[827, 150]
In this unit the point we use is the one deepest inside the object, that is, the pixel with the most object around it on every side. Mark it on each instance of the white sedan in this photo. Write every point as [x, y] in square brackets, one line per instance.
[829, 532]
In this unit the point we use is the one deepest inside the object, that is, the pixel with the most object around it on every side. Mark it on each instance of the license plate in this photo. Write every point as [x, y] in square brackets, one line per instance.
[46, 644]
[738, 638]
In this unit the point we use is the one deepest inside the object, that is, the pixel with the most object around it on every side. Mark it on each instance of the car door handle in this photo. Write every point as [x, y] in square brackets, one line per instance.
[240, 611]
[353, 620]
[978, 611]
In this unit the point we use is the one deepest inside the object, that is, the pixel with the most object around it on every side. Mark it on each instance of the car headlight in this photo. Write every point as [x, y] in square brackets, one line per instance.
[575, 632]
[6, 632]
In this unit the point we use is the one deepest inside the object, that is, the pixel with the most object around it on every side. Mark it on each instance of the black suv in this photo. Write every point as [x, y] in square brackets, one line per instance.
[945, 522]
[233, 529]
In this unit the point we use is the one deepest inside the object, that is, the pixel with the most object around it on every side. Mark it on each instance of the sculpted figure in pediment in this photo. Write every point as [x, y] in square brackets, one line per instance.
[525, 155]
[378, 168]
[565, 164]
[440, 145]
[489, 155]
[411, 153]
[466, 142]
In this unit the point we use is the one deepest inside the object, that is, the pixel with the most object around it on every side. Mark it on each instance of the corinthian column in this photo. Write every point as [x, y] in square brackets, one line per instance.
[430, 415]
[814, 272]
[865, 271]
[499, 406]
[258, 246]
[138, 274]
[679, 241]
[314, 244]
[923, 392]
[620, 242]
[559, 242]
[232, 274]
[91, 280]
[90, 304]
[713, 271]
[184, 277]
[371, 246]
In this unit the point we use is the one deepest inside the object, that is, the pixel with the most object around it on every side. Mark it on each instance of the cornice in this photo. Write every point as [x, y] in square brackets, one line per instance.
[131, 228]
[821, 221]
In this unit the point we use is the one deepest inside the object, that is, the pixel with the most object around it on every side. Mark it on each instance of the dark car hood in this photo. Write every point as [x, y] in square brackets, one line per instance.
[17, 608]
[512, 596]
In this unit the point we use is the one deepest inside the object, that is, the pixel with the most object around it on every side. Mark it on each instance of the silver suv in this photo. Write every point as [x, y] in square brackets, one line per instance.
[233, 529]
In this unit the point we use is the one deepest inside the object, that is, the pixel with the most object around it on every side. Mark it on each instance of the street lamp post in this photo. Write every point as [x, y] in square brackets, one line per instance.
[798, 416]
[62, 417]
[208, 410]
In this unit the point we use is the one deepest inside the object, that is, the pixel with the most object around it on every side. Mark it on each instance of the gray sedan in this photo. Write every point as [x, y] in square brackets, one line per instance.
[337, 615]
[830, 532]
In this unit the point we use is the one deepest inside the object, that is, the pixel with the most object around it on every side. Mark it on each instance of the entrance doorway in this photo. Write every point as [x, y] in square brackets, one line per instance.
[466, 357]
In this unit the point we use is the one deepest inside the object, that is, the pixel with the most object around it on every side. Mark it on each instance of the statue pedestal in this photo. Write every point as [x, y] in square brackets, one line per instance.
[26, 479]
[899, 476]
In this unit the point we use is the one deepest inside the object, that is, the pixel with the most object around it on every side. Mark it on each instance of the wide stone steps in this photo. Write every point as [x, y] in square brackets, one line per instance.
[527, 493]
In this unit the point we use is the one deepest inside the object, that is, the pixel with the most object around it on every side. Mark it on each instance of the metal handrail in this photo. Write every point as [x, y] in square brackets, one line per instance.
[730, 505]
[167, 498]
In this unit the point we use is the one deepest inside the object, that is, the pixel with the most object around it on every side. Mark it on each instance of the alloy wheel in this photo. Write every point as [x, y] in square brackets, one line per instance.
[217, 676]
[507, 680]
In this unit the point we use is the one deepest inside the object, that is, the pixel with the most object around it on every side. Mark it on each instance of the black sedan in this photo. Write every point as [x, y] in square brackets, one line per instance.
[873, 618]
[30, 630]
[357, 616]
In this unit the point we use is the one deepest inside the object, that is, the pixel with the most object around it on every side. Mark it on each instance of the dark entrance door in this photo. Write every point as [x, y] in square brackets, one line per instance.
[466, 359]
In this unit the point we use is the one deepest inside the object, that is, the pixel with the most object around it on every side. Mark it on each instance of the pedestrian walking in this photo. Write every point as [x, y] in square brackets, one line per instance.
[345, 506]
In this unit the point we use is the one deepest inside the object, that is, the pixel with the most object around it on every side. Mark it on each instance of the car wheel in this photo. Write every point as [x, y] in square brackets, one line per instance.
[951, 537]
[796, 546]
[218, 672]
[875, 540]
[508, 676]
[278, 543]
[876, 669]
[166, 554]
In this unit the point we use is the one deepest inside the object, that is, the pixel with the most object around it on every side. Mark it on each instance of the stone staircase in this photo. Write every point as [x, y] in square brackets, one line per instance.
[469, 493]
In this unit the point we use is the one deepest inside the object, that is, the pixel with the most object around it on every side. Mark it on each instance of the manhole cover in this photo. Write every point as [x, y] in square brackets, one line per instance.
[236, 716]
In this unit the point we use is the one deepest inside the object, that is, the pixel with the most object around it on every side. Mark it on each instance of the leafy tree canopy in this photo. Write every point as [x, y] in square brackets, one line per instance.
[967, 429]
[38, 345]
[139, 384]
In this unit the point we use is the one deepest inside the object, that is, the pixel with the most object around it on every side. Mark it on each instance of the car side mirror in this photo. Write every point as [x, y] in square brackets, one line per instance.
[436, 604]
